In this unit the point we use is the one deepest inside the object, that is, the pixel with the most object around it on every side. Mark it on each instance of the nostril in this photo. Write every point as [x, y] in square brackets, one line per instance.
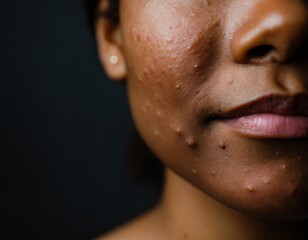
[260, 51]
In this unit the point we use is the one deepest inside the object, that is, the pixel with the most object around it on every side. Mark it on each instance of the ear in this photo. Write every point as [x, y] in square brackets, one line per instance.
[109, 44]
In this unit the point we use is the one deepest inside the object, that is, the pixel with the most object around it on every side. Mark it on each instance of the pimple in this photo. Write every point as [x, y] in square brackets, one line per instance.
[156, 133]
[144, 109]
[250, 188]
[283, 166]
[178, 86]
[169, 39]
[140, 79]
[158, 114]
[191, 142]
[174, 57]
[266, 181]
[179, 132]
[145, 72]
[299, 158]
[194, 171]
[277, 153]
[231, 81]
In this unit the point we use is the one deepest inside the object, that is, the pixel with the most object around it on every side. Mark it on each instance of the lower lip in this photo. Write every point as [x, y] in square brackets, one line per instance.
[270, 126]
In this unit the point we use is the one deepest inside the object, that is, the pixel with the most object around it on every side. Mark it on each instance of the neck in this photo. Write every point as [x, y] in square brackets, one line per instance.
[188, 213]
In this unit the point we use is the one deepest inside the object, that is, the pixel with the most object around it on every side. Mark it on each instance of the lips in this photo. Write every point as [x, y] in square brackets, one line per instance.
[272, 116]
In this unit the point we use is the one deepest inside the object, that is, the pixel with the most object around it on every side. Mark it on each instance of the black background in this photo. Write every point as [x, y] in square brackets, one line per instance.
[64, 128]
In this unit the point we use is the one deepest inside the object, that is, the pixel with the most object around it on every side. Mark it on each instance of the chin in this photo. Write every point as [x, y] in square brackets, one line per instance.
[283, 198]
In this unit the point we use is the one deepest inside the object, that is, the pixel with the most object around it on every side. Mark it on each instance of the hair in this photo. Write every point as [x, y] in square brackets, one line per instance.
[112, 12]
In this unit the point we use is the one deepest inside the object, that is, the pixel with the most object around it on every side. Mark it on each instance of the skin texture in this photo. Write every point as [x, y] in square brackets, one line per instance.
[187, 64]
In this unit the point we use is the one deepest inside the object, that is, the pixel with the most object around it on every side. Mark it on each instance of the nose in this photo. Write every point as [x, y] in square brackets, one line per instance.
[274, 32]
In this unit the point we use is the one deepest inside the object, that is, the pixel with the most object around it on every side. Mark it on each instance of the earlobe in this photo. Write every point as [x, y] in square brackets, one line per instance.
[109, 44]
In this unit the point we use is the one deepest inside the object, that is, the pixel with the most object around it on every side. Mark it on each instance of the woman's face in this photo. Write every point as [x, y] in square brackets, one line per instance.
[218, 90]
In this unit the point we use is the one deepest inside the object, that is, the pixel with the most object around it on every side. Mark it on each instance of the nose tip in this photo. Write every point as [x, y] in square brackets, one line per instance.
[274, 32]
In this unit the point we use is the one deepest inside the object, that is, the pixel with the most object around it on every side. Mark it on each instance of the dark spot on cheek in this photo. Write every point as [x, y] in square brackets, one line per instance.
[222, 146]
[185, 236]
[213, 174]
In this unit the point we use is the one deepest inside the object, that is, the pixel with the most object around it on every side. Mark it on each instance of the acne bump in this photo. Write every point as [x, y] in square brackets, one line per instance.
[191, 142]
[222, 146]
[250, 188]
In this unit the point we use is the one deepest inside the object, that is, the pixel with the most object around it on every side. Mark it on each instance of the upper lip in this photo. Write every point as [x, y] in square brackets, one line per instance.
[296, 105]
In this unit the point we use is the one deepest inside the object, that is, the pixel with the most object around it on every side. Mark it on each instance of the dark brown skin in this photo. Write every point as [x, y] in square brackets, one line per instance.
[187, 64]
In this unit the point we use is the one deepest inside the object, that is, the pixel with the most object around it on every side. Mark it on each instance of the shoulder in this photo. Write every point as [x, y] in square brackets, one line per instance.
[145, 227]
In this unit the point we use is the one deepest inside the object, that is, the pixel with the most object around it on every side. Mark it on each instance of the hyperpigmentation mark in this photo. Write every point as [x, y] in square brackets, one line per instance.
[222, 145]
[185, 236]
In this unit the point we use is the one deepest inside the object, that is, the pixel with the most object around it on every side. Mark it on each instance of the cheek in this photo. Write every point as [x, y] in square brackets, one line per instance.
[164, 75]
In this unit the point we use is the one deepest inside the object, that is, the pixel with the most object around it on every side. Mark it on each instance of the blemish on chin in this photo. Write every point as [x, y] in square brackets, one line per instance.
[194, 171]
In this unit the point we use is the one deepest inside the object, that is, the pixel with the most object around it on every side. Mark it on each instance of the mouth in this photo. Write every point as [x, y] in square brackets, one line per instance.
[271, 116]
